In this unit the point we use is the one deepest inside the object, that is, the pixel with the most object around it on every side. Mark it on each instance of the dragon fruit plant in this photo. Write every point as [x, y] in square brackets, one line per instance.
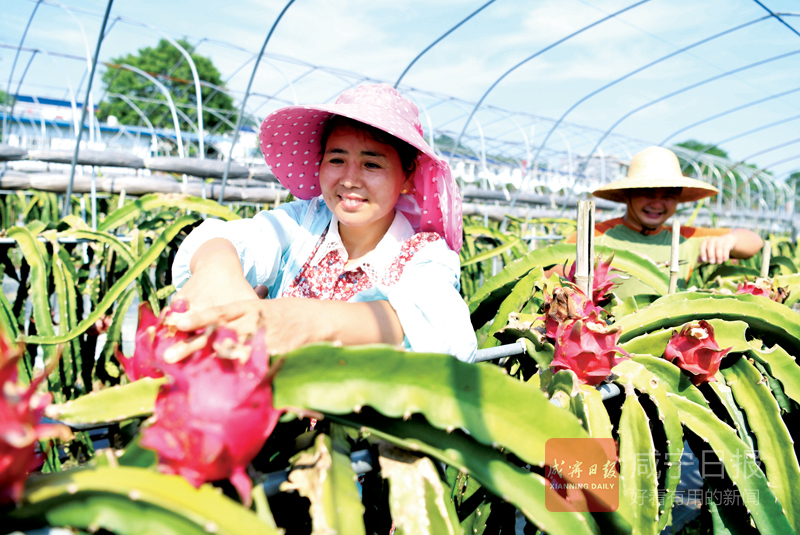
[472, 417]
[583, 342]
[21, 409]
[153, 339]
[695, 350]
[663, 406]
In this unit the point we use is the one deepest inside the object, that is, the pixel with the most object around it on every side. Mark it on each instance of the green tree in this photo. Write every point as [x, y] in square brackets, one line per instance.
[702, 148]
[705, 148]
[167, 64]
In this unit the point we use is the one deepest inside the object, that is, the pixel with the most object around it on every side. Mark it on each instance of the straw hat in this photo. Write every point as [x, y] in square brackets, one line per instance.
[290, 142]
[655, 167]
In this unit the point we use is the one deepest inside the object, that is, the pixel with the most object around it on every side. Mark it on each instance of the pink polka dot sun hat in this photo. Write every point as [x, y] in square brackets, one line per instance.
[290, 142]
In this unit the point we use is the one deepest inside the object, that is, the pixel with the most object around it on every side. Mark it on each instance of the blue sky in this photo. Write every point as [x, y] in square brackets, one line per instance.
[378, 38]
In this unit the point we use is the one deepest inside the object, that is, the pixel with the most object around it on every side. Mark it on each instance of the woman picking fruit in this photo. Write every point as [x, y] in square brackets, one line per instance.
[368, 254]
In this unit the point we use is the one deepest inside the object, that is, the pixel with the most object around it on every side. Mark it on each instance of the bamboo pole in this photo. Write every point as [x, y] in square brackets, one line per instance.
[590, 246]
[766, 253]
[674, 259]
[584, 246]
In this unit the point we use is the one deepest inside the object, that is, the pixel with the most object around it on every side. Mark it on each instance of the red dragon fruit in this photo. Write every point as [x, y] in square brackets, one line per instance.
[602, 283]
[153, 338]
[763, 287]
[21, 409]
[566, 305]
[216, 412]
[588, 348]
[694, 350]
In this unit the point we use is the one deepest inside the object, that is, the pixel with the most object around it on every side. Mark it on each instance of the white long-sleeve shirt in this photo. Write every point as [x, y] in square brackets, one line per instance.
[296, 250]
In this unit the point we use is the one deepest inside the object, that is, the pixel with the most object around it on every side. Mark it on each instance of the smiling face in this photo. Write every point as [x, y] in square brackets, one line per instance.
[361, 180]
[649, 208]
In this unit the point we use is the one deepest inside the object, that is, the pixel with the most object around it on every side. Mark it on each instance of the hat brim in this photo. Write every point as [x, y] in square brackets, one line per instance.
[290, 141]
[691, 189]
[297, 138]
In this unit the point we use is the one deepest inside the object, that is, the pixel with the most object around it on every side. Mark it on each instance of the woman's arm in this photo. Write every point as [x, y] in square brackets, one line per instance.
[216, 277]
[293, 322]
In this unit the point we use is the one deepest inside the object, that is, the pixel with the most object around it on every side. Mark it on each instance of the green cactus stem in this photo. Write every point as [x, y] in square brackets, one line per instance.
[637, 375]
[326, 478]
[145, 261]
[132, 501]
[764, 508]
[638, 481]
[134, 209]
[113, 404]
[523, 489]
[775, 444]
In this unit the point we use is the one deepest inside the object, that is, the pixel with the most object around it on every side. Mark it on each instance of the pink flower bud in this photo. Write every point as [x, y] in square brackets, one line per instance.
[602, 283]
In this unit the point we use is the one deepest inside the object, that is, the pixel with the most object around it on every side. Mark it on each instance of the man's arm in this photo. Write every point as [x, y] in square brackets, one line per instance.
[738, 243]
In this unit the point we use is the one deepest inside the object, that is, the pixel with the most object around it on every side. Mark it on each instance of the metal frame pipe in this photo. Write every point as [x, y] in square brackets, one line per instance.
[89, 64]
[747, 133]
[244, 101]
[197, 89]
[68, 195]
[170, 102]
[448, 32]
[537, 54]
[138, 111]
[729, 111]
[734, 189]
[6, 110]
[748, 202]
[720, 184]
[639, 70]
[689, 88]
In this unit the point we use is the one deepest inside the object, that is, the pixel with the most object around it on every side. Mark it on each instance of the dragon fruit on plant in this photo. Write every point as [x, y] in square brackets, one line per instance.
[21, 409]
[602, 283]
[763, 287]
[216, 412]
[566, 305]
[153, 338]
[694, 350]
[588, 347]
